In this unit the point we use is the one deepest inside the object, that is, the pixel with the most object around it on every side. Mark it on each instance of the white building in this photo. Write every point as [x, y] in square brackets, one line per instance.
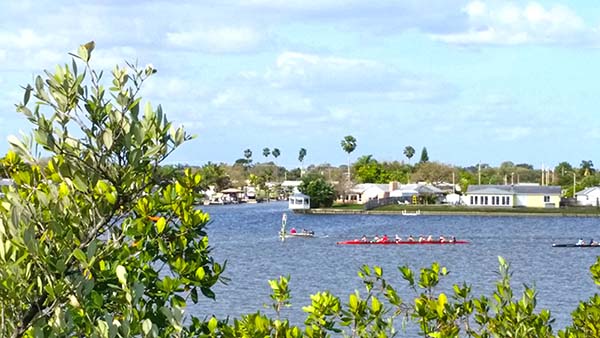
[588, 196]
[519, 195]
[299, 201]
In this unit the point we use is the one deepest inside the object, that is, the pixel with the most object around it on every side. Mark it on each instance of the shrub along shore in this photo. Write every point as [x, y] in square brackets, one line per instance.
[456, 210]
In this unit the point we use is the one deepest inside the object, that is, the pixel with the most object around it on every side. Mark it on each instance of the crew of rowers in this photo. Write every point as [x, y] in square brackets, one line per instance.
[582, 242]
[410, 238]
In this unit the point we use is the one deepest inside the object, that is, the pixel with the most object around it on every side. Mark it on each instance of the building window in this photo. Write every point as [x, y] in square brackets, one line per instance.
[493, 200]
[471, 200]
[476, 200]
[546, 199]
[486, 200]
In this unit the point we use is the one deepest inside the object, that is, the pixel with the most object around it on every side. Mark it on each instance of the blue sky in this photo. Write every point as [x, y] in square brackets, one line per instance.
[473, 81]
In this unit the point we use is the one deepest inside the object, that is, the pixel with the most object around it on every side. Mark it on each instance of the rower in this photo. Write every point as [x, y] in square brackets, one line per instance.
[429, 238]
[398, 238]
[442, 239]
[580, 242]
[384, 239]
[453, 239]
[293, 231]
[364, 239]
[410, 238]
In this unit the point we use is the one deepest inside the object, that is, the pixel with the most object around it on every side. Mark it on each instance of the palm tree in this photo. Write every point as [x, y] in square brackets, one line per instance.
[275, 153]
[348, 145]
[409, 152]
[266, 152]
[301, 155]
[248, 156]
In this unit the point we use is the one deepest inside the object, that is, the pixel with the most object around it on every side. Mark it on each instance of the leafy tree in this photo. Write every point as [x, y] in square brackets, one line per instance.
[424, 156]
[409, 152]
[214, 174]
[587, 168]
[91, 247]
[322, 194]
[348, 145]
[367, 170]
[433, 172]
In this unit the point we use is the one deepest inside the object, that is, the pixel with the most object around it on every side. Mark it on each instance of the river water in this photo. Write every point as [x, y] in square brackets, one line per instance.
[246, 236]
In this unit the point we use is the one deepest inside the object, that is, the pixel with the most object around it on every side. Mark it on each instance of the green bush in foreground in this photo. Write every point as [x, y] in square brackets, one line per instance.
[97, 244]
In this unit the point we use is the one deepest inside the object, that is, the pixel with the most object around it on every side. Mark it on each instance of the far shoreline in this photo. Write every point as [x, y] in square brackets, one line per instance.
[425, 212]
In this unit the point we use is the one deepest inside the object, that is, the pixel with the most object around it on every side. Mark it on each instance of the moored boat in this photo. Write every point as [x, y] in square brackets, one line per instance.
[359, 242]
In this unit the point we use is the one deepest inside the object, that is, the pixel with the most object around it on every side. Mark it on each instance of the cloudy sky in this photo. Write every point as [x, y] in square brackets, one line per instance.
[472, 81]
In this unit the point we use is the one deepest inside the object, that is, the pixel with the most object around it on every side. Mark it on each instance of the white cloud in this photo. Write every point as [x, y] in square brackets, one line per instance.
[508, 24]
[217, 40]
[512, 133]
[330, 75]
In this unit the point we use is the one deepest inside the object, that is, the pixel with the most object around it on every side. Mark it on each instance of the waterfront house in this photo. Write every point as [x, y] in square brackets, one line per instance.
[290, 187]
[518, 195]
[588, 196]
[364, 192]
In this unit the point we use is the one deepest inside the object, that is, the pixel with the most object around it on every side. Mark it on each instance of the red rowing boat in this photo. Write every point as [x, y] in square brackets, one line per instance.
[359, 242]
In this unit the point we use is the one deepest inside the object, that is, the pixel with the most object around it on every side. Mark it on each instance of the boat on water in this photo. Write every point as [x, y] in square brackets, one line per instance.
[300, 234]
[570, 245]
[406, 213]
[283, 234]
[360, 242]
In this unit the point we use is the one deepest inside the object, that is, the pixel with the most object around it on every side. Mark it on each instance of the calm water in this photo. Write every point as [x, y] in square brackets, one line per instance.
[246, 236]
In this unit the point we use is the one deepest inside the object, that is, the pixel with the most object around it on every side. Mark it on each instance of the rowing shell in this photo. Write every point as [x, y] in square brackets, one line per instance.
[359, 242]
[576, 246]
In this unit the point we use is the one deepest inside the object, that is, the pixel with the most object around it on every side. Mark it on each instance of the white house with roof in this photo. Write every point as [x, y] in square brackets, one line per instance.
[291, 186]
[519, 195]
[364, 192]
[588, 196]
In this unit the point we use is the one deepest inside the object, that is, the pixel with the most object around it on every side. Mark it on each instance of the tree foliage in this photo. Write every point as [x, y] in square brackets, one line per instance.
[322, 193]
[409, 152]
[424, 156]
[91, 246]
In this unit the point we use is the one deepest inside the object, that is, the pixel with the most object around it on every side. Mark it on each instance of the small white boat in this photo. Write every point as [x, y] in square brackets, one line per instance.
[300, 234]
[416, 213]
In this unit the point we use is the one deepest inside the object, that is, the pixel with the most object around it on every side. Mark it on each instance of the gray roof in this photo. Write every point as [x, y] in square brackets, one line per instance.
[497, 189]
[587, 191]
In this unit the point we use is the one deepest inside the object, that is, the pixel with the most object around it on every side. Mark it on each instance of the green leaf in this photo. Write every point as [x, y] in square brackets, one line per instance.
[212, 324]
[121, 274]
[442, 301]
[81, 257]
[200, 274]
[146, 326]
[107, 138]
[27, 95]
[160, 225]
